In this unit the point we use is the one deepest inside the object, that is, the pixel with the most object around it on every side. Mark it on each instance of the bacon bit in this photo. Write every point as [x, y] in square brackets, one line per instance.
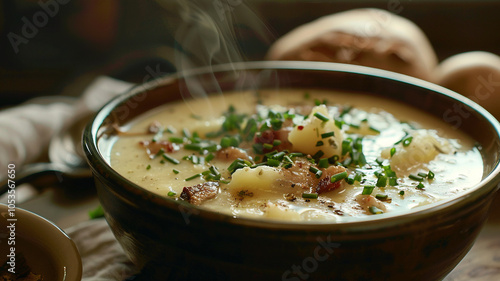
[201, 192]
[231, 154]
[152, 148]
[269, 136]
[154, 127]
[325, 185]
[300, 127]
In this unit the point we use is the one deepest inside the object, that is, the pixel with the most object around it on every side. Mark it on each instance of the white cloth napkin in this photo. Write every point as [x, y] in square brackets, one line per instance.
[102, 257]
[27, 129]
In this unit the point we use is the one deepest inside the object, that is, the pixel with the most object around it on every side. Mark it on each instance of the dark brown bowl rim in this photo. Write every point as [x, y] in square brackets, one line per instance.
[487, 187]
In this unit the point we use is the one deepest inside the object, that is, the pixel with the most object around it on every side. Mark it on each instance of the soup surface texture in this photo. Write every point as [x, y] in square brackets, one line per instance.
[297, 155]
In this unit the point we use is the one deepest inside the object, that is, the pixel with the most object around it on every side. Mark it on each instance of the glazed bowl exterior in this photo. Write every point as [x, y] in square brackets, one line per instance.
[173, 240]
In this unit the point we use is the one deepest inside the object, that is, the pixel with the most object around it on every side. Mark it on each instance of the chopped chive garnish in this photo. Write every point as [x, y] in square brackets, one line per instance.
[415, 177]
[339, 176]
[423, 175]
[368, 189]
[381, 181]
[358, 177]
[317, 172]
[171, 193]
[339, 123]
[176, 140]
[268, 146]
[175, 171]
[321, 117]
[318, 154]
[273, 162]
[317, 102]
[170, 130]
[209, 157]
[276, 142]
[307, 95]
[327, 135]
[193, 177]
[374, 210]
[287, 159]
[162, 161]
[431, 175]
[393, 181]
[350, 179]
[319, 143]
[374, 129]
[279, 155]
[310, 195]
[382, 197]
[296, 154]
[402, 192]
[407, 141]
[346, 146]
[420, 185]
[186, 133]
[170, 159]
[148, 167]
[323, 163]
[393, 151]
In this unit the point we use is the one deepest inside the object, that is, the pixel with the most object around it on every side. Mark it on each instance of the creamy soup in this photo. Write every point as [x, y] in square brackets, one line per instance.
[297, 155]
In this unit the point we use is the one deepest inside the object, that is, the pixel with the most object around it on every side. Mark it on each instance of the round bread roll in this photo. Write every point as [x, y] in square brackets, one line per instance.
[475, 75]
[369, 37]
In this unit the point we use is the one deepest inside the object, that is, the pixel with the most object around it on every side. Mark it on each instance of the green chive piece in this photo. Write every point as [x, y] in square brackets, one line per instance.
[170, 159]
[276, 142]
[368, 189]
[402, 192]
[98, 212]
[350, 179]
[382, 197]
[374, 210]
[374, 129]
[319, 143]
[327, 135]
[393, 151]
[318, 154]
[407, 141]
[346, 146]
[317, 102]
[268, 146]
[186, 133]
[381, 181]
[431, 175]
[171, 193]
[415, 177]
[321, 117]
[296, 154]
[148, 167]
[176, 140]
[358, 177]
[310, 195]
[339, 176]
[307, 95]
[420, 185]
[423, 175]
[273, 162]
[209, 157]
[175, 171]
[323, 163]
[393, 181]
[317, 172]
[170, 130]
[193, 177]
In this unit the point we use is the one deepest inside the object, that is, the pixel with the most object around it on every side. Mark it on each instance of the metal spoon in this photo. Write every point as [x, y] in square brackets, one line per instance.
[65, 154]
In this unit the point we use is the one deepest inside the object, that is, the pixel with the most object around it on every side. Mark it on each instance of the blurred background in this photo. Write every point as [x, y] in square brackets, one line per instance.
[57, 47]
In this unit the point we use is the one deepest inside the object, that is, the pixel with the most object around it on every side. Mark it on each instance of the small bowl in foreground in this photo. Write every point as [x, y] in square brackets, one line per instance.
[48, 251]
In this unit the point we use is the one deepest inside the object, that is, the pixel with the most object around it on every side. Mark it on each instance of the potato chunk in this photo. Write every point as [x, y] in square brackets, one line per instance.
[257, 183]
[307, 137]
